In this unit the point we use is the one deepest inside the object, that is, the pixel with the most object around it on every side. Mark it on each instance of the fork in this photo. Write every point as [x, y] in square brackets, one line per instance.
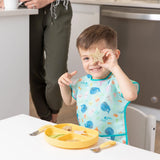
[103, 145]
[40, 130]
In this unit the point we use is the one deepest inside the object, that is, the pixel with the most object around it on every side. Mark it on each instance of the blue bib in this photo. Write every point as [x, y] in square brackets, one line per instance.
[101, 106]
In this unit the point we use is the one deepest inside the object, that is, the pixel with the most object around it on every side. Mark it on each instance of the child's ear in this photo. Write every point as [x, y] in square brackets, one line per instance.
[117, 52]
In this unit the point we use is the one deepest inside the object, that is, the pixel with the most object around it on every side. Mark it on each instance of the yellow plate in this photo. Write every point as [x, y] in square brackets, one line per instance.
[77, 137]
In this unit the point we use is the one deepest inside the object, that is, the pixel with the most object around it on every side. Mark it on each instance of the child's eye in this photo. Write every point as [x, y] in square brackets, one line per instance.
[86, 58]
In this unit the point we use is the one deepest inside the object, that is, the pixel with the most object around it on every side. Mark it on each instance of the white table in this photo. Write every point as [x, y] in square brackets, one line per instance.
[17, 144]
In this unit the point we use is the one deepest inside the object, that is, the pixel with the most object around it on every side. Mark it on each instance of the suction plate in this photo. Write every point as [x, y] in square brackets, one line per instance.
[70, 136]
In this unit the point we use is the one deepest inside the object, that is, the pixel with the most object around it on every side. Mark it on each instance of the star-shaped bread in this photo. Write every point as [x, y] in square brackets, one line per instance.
[97, 56]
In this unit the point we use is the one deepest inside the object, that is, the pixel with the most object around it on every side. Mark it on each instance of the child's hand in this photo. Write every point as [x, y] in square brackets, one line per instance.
[110, 59]
[65, 79]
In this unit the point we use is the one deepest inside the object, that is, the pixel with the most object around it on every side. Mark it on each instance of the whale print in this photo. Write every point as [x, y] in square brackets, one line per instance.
[94, 90]
[109, 131]
[83, 108]
[89, 76]
[89, 124]
[105, 107]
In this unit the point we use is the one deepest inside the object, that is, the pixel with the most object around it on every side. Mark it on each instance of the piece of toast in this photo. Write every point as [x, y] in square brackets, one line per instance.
[97, 56]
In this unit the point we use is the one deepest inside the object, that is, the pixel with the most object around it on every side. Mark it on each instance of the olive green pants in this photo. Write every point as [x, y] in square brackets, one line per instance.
[51, 36]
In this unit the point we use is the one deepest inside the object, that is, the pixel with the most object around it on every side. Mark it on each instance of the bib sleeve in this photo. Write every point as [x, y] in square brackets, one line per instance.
[136, 84]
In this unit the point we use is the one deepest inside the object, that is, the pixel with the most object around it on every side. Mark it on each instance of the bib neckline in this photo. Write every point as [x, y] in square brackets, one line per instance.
[100, 79]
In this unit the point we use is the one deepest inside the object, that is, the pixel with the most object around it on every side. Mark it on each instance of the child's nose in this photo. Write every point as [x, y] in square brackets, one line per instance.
[93, 62]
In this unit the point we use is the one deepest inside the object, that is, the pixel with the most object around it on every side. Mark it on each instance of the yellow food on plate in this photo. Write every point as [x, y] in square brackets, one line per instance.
[67, 128]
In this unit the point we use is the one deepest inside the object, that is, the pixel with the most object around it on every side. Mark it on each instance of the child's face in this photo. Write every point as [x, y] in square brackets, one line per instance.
[89, 65]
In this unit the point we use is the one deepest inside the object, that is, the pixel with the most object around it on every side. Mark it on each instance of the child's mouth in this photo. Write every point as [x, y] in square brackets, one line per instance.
[94, 70]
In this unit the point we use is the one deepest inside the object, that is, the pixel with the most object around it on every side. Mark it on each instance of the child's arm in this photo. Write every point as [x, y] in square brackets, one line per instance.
[127, 88]
[64, 81]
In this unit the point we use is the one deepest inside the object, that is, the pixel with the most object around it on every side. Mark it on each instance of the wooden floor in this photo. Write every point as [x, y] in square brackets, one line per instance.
[68, 114]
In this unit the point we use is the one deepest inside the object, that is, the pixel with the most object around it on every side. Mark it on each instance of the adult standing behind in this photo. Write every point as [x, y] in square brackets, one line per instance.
[49, 33]
[49, 43]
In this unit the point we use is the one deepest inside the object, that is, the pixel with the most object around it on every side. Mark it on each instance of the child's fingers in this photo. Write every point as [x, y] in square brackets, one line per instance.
[107, 51]
[109, 54]
[106, 56]
[61, 84]
[68, 77]
[66, 81]
[73, 73]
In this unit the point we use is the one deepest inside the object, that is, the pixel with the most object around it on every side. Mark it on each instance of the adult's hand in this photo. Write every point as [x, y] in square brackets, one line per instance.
[1, 4]
[30, 4]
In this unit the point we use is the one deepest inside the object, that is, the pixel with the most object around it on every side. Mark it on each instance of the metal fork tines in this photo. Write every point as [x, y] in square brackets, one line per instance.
[40, 130]
[35, 133]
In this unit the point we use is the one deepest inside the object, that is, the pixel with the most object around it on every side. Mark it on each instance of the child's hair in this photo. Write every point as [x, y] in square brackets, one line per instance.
[94, 34]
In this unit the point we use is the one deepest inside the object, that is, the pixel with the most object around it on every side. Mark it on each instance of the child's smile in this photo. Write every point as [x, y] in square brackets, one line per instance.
[95, 69]
[97, 72]
[90, 66]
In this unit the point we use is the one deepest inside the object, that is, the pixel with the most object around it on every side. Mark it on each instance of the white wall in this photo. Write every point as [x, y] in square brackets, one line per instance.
[83, 17]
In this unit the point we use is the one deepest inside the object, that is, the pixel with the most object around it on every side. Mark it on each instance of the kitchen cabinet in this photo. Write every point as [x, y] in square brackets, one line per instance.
[83, 17]
[14, 61]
